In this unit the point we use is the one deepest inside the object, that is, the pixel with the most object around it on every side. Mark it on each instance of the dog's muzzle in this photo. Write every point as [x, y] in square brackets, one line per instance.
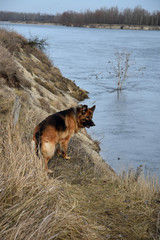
[88, 123]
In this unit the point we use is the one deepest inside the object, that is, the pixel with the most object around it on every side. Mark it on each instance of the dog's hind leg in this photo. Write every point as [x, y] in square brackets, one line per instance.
[58, 150]
[48, 149]
[64, 145]
[46, 165]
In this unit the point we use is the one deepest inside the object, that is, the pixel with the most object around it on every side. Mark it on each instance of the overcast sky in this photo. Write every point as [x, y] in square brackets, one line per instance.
[59, 6]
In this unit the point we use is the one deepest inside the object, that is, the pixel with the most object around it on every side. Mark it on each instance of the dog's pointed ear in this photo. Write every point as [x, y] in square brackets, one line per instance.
[93, 108]
[84, 109]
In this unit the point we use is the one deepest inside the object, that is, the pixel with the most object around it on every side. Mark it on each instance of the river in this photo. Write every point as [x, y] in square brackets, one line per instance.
[128, 124]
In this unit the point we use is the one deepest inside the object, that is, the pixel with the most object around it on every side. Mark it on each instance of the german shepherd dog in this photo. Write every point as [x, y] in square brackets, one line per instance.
[57, 129]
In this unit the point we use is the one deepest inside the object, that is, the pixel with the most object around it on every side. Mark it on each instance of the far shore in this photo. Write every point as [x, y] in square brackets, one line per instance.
[123, 26]
[101, 26]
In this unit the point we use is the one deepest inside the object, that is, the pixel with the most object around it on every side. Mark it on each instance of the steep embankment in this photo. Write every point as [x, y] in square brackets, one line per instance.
[27, 72]
[83, 199]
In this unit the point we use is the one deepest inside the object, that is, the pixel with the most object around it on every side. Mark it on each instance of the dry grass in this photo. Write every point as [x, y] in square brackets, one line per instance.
[17, 54]
[48, 85]
[125, 207]
[34, 206]
[17, 46]
[15, 42]
[10, 71]
[77, 202]
[11, 40]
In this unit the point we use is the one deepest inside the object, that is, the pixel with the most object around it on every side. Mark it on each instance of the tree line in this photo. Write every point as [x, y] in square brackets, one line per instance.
[136, 16]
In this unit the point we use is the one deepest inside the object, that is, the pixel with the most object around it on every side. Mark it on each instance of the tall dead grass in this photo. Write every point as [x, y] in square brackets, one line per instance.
[11, 40]
[32, 205]
[16, 44]
[10, 71]
[77, 203]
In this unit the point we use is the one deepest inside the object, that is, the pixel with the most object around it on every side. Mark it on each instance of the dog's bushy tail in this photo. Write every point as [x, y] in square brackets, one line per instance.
[38, 143]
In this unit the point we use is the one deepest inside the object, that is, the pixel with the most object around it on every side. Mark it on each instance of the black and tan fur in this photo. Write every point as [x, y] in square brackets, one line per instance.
[57, 129]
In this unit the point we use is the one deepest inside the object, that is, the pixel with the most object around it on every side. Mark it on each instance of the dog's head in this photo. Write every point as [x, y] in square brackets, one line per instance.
[85, 115]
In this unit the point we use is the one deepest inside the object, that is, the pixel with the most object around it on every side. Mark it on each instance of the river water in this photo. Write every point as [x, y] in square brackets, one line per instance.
[128, 124]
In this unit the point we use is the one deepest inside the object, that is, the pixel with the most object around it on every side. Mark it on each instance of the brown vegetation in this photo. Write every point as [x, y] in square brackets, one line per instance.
[77, 202]
[22, 64]
[9, 69]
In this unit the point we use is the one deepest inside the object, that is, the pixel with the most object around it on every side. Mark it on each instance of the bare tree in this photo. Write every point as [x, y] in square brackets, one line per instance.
[121, 67]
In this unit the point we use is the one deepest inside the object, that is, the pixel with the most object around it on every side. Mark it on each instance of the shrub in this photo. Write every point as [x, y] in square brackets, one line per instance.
[39, 43]
[121, 67]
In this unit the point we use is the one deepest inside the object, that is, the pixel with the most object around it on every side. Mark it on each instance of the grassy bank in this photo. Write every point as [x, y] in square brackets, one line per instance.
[77, 202]
[83, 198]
